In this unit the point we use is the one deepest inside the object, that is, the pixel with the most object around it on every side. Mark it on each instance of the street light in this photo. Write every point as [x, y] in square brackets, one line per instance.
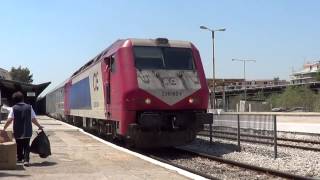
[213, 97]
[244, 74]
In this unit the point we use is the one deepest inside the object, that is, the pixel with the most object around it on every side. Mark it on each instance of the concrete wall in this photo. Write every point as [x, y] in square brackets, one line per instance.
[4, 74]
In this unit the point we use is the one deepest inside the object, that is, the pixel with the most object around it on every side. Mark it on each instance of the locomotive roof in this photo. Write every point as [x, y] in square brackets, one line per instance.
[135, 42]
[154, 42]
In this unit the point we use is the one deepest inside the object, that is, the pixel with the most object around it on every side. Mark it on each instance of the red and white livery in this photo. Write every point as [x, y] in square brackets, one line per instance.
[150, 92]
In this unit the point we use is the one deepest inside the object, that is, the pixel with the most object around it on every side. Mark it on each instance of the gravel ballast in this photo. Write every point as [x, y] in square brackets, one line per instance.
[294, 161]
[210, 167]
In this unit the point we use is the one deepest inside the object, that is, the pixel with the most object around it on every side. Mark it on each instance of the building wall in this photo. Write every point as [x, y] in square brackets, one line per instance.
[307, 74]
[4, 74]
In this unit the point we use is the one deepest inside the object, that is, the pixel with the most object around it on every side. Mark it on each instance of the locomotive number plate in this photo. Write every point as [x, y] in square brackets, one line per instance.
[171, 93]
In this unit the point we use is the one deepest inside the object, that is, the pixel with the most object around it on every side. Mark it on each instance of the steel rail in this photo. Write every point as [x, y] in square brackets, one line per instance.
[268, 143]
[265, 137]
[183, 167]
[206, 128]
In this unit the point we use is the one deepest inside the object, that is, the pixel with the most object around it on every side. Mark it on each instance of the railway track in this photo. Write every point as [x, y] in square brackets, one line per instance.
[263, 137]
[255, 171]
[246, 138]
[248, 166]
[184, 168]
[267, 172]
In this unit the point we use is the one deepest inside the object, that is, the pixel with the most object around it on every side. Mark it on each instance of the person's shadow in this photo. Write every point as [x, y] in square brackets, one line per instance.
[43, 164]
[15, 172]
[4, 174]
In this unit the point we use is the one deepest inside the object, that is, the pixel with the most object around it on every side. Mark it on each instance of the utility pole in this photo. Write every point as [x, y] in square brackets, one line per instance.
[213, 96]
[244, 75]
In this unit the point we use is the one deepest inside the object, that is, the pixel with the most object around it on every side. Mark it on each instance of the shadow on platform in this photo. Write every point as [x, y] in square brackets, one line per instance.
[216, 148]
[4, 174]
[43, 164]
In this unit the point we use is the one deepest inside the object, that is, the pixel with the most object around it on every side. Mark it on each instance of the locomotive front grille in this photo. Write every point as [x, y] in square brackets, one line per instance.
[166, 120]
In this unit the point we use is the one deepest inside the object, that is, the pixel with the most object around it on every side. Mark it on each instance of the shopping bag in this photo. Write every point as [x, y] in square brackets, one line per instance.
[41, 145]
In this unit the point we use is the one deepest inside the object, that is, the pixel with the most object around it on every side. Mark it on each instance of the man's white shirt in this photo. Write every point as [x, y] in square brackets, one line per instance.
[11, 114]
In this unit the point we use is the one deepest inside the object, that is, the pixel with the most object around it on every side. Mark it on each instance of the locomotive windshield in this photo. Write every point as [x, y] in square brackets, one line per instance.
[163, 58]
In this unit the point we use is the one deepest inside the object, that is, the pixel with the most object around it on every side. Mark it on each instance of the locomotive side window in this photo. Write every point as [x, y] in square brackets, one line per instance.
[163, 58]
[113, 64]
[108, 99]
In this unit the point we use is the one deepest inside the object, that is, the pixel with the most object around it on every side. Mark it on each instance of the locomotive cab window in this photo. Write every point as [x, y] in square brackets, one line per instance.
[111, 63]
[148, 58]
[178, 58]
[163, 58]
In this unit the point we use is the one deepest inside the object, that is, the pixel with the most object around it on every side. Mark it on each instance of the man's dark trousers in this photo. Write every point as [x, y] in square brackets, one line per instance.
[23, 149]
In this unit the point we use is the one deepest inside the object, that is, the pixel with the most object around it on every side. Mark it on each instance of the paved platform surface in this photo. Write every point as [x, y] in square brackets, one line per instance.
[50, 124]
[76, 155]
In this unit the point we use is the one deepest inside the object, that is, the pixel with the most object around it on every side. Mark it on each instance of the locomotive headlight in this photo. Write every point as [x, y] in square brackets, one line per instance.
[147, 101]
[191, 100]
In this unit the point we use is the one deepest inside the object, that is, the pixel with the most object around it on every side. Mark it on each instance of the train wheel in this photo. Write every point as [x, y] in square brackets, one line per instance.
[129, 143]
[101, 129]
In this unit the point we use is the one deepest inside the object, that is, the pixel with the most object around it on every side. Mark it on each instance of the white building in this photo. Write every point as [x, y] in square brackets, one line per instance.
[4, 74]
[307, 74]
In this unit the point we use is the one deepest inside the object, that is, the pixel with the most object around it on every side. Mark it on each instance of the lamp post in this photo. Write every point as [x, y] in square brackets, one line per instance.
[213, 96]
[244, 74]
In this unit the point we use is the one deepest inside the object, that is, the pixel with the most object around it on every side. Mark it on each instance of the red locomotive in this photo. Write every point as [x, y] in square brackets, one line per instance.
[151, 92]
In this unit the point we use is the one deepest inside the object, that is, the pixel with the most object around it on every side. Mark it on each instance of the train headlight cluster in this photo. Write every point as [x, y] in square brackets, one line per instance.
[191, 100]
[147, 101]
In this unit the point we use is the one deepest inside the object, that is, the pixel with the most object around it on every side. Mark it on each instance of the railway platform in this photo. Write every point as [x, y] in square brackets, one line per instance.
[303, 123]
[79, 155]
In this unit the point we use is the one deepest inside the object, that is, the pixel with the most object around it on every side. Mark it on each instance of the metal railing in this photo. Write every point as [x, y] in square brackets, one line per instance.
[241, 127]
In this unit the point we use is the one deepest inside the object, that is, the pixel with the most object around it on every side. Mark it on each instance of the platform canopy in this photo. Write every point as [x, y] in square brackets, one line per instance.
[30, 91]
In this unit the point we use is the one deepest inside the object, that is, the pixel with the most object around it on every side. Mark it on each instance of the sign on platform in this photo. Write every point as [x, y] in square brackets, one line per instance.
[31, 94]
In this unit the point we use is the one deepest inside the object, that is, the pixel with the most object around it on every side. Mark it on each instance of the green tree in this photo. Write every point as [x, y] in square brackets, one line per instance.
[21, 75]
[316, 103]
[296, 97]
[260, 96]
[274, 100]
[276, 80]
[317, 76]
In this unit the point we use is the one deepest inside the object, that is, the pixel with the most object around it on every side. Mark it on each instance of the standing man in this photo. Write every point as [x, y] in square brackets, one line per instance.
[22, 115]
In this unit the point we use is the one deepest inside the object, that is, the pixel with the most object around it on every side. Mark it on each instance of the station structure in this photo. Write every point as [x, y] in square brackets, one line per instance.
[9, 86]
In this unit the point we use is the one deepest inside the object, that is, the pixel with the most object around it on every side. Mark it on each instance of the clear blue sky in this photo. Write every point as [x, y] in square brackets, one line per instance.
[54, 38]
